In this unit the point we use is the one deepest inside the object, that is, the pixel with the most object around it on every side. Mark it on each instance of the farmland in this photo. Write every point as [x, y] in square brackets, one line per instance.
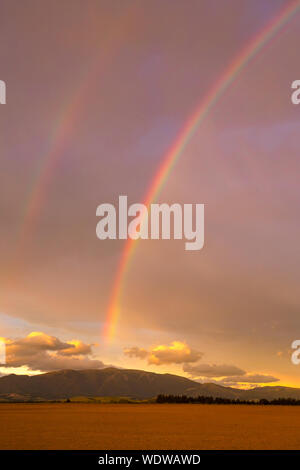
[148, 426]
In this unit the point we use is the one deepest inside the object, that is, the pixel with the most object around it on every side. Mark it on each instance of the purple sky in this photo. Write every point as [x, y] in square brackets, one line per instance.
[123, 77]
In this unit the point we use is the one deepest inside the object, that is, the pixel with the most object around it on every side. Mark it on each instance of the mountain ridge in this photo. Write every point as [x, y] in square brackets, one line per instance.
[134, 383]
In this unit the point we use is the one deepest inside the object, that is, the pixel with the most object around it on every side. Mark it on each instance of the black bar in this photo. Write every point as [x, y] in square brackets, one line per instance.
[137, 458]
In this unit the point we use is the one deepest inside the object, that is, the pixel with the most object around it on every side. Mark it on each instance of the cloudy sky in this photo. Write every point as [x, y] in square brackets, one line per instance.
[97, 92]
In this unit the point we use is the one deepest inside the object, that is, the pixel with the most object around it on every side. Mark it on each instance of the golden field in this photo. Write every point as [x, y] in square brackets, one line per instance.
[148, 426]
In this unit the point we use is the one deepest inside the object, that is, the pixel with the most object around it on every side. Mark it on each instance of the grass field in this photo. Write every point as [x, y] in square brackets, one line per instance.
[149, 426]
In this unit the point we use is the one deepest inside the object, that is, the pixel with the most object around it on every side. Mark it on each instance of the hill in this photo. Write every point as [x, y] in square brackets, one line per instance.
[112, 382]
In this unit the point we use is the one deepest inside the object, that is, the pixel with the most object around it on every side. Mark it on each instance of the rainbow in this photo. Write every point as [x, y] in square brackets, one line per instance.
[180, 143]
[64, 126]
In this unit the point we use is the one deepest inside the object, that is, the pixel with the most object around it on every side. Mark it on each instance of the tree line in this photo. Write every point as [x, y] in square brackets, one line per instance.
[224, 401]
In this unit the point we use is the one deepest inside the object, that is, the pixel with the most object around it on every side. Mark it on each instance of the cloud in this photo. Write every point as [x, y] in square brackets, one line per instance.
[230, 375]
[39, 351]
[251, 378]
[136, 352]
[75, 348]
[177, 352]
[212, 370]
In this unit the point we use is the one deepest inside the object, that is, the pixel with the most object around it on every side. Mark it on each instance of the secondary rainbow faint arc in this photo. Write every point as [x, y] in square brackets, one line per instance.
[64, 125]
[180, 143]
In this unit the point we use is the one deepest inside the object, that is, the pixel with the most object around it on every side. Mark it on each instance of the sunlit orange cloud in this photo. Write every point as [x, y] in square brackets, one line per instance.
[41, 352]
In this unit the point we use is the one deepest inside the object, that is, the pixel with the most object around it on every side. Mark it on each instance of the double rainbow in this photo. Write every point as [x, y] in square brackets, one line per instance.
[69, 114]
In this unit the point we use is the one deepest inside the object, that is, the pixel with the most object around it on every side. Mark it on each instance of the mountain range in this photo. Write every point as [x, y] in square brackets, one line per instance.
[112, 382]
